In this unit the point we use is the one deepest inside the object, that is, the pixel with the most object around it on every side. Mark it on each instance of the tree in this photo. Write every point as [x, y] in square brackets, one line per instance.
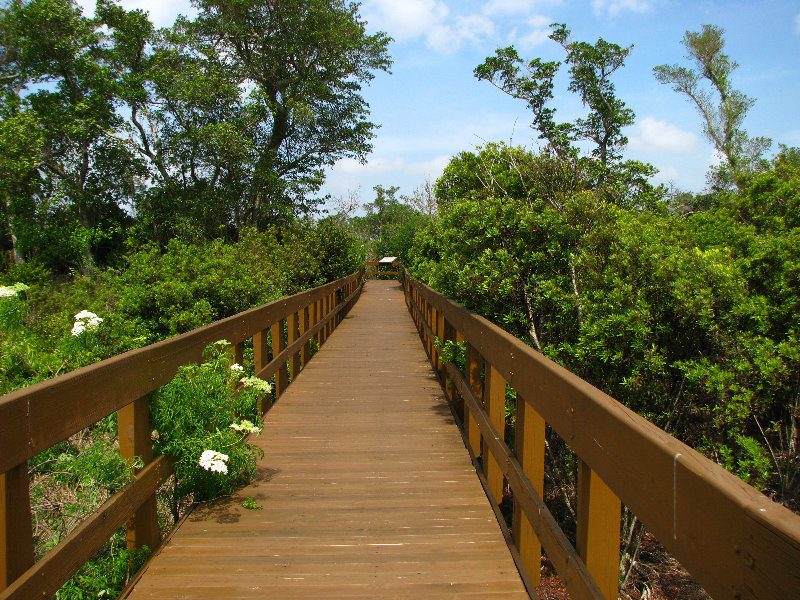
[305, 62]
[591, 68]
[64, 197]
[238, 111]
[722, 108]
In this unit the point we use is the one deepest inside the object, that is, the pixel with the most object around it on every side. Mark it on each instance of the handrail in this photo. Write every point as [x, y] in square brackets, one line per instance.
[35, 418]
[377, 271]
[734, 540]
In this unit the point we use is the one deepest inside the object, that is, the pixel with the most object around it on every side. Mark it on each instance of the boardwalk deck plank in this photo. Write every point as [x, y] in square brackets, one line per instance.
[366, 487]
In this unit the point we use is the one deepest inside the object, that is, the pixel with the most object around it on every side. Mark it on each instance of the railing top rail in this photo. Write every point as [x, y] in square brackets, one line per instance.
[725, 532]
[33, 419]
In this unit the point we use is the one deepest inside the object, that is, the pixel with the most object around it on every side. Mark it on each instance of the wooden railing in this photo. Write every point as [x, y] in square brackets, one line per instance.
[373, 269]
[735, 541]
[34, 419]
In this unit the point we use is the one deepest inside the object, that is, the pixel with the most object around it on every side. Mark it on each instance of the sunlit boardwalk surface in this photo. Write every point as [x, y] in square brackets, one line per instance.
[365, 486]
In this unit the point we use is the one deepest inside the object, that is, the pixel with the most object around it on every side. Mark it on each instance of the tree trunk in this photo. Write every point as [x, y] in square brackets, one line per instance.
[18, 258]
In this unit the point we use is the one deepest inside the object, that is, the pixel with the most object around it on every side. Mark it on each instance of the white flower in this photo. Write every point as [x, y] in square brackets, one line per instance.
[93, 323]
[257, 384]
[85, 320]
[12, 290]
[245, 427]
[85, 314]
[214, 461]
[237, 367]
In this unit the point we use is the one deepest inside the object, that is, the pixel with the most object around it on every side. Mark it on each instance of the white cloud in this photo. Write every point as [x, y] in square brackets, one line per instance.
[716, 158]
[349, 175]
[652, 135]
[614, 7]
[162, 14]
[509, 7]
[538, 33]
[447, 31]
[408, 19]
[668, 174]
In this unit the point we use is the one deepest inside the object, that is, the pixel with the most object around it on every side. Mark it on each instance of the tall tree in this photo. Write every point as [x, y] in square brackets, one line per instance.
[722, 108]
[591, 67]
[239, 110]
[59, 95]
[305, 63]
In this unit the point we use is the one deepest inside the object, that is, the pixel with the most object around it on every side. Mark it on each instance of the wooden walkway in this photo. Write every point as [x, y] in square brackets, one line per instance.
[366, 488]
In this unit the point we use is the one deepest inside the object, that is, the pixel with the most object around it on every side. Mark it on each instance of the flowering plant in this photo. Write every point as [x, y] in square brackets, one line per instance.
[84, 321]
[203, 418]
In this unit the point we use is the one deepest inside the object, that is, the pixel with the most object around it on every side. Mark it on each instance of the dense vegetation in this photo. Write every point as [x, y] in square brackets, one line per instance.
[112, 131]
[685, 308]
[153, 181]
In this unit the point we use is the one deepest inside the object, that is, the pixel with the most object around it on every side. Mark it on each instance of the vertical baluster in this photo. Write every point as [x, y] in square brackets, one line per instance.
[318, 312]
[304, 321]
[495, 402]
[294, 360]
[450, 335]
[530, 447]
[278, 346]
[260, 359]
[442, 337]
[598, 530]
[16, 533]
[238, 353]
[432, 337]
[133, 429]
[313, 319]
[474, 370]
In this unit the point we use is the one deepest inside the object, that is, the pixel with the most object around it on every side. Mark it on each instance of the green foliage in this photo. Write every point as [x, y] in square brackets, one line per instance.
[591, 67]
[390, 224]
[251, 504]
[110, 127]
[204, 409]
[106, 575]
[691, 320]
[722, 122]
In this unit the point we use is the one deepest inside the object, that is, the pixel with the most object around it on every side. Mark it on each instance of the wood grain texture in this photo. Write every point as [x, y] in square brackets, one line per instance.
[44, 578]
[35, 418]
[734, 540]
[366, 488]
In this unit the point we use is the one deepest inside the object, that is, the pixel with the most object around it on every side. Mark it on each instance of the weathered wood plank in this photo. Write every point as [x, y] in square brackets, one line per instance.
[734, 540]
[35, 418]
[366, 488]
[16, 534]
[44, 578]
[133, 426]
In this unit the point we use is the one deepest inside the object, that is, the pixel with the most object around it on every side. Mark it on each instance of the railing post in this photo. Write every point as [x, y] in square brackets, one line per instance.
[238, 353]
[495, 403]
[260, 358]
[305, 355]
[294, 334]
[432, 339]
[530, 447]
[16, 532]
[474, 369]
[598, 530]
[440, 333]
[133, 430]
[278, 346]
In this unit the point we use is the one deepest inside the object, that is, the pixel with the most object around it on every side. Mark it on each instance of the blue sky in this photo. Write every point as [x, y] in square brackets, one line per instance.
[431, 107]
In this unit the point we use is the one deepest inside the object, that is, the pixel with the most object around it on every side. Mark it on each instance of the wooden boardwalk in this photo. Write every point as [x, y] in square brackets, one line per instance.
[365, 486]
